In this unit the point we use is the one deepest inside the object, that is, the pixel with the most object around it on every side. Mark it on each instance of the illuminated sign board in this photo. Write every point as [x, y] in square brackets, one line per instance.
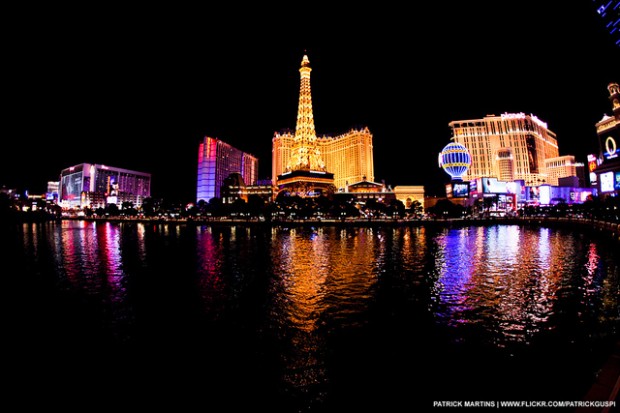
[592, 163]
[493, 186]
[522, 115]
[473, 186]
[611, 148]
[607, 182]
[71, 185]
[512, 187]
[460, 189]
[544, 194]
[585, 195]
[593, 178]
[617, 183]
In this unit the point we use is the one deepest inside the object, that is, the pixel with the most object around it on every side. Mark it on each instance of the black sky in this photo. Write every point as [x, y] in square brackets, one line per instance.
[139, 88]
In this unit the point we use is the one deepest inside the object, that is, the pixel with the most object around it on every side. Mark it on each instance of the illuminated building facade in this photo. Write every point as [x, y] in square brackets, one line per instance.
[262, 189]
[95, 185]
[364, 191]
[513, 146]
[608, 130]
[408, 194]
[53, 188]
[305, 174]
[561, 167]
[233, 188]
[216, 161]
[348, 157]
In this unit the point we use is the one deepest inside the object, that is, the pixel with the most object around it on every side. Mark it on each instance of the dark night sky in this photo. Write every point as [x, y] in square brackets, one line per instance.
[138, 89]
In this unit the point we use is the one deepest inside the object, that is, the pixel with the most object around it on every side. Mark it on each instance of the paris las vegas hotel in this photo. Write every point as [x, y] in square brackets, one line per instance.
[302, 163]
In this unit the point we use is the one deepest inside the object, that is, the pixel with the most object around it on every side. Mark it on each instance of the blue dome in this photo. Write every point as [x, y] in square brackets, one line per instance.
[455, 160]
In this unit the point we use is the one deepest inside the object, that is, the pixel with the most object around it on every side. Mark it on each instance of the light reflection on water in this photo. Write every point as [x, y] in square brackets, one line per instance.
[294, 293]
[508, 279]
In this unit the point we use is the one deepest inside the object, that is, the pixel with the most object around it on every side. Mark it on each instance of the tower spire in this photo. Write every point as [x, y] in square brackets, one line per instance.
[306, 154]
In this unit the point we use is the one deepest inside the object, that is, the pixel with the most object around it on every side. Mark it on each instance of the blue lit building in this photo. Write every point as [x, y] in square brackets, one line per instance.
[216, 161]
[609, 10]
[455, 160]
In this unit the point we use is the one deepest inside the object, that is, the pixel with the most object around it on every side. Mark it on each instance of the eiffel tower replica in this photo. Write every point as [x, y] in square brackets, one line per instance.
[305, 174]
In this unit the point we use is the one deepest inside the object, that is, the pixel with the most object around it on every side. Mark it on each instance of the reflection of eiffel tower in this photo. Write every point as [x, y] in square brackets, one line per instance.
[305, 174]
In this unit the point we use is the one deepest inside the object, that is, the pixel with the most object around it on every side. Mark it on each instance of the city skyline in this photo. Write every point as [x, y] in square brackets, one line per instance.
[142, 97]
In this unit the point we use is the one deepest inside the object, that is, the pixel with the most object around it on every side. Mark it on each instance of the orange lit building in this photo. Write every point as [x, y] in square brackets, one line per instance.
[561, 167]
[513, 146]
[348, 157]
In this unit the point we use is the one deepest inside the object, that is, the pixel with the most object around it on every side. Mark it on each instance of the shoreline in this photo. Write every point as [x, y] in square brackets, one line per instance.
[608, 228]
[611, 229]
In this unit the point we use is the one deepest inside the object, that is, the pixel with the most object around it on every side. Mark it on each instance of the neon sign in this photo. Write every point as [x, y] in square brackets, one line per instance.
[611, 147]
[607, 182]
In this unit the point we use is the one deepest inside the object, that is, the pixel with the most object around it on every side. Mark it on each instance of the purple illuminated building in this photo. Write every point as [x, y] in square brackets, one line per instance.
[216, 161]
[95, 185]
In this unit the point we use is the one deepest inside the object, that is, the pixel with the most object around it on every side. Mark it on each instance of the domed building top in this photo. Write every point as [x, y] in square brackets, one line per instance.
[455, 160]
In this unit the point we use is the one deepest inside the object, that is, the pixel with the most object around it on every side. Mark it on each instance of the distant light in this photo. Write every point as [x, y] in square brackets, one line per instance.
[545, 194]
[607, 181]
[522, 115]
[611, 147]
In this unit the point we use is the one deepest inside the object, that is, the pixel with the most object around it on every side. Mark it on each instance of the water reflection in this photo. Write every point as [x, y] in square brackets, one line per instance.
[211, 277]
[506, 280]
[323, 283]
[90, 259]
[298, 292]
[311, 311]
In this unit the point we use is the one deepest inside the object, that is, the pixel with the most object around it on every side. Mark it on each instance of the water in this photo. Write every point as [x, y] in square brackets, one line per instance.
[303, 319]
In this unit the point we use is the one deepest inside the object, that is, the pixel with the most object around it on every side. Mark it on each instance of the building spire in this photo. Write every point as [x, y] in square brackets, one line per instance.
[306, 154]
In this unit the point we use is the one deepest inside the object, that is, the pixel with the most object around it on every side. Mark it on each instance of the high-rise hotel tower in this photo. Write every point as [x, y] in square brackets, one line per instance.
[216, 161]
[348, 157]
[95, 185]
[513, 146]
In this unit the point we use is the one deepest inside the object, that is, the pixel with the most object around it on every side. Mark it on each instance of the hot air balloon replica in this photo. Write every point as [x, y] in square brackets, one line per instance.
[455, 160]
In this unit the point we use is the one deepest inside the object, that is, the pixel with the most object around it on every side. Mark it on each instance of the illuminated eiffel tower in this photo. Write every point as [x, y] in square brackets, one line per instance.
[306, 174]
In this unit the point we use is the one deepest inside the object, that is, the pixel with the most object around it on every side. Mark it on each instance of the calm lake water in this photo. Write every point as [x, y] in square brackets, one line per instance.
[195, 318]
